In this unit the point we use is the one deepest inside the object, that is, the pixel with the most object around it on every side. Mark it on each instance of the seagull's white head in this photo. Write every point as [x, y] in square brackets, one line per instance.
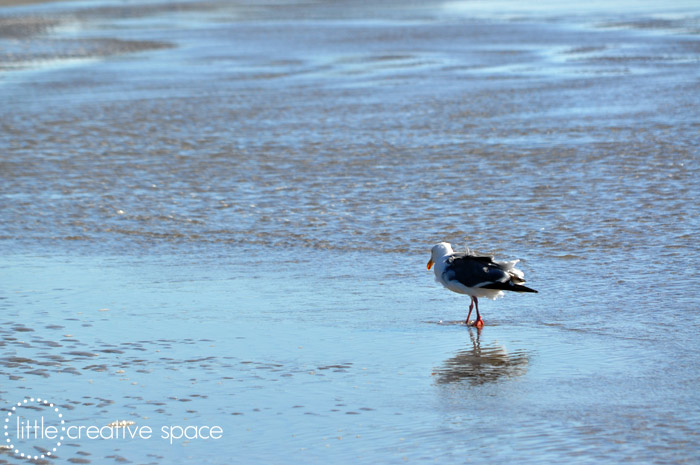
[438, 251]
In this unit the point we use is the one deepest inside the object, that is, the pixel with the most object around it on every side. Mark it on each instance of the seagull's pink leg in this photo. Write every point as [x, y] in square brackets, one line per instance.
[479, 323]
[471, 306]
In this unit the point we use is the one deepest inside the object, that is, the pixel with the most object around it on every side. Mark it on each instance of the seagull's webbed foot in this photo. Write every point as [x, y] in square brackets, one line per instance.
[478, 324]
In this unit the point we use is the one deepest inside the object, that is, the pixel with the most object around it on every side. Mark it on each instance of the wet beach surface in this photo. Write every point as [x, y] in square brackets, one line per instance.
[219, 213]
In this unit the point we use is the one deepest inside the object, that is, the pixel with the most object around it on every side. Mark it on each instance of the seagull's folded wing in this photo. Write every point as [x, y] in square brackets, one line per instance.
[475, 271]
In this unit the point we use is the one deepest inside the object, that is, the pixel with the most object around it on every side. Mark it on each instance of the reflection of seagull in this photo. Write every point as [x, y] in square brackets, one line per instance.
[475, 276]
[480, 365]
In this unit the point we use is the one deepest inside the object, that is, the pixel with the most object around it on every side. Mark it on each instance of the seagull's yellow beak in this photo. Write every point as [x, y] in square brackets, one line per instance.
[430, 263]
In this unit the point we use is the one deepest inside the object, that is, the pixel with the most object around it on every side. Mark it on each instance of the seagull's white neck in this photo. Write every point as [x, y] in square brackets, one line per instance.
[441, 250]
[439, 256]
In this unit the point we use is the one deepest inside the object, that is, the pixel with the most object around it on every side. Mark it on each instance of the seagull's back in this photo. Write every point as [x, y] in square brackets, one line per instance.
[474, 271]
[479, 275]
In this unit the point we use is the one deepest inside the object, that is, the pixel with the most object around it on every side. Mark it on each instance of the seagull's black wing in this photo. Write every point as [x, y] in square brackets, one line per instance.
[483, 272]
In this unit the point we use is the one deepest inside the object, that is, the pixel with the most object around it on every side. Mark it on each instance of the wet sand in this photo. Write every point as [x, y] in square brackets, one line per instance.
[10, 3]
[219, 213]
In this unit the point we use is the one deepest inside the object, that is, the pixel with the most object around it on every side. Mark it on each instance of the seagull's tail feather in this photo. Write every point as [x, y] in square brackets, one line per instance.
[521, 288]
[509, 286]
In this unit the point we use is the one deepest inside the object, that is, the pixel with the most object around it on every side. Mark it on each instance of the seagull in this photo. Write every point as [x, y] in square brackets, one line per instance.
[476, 276]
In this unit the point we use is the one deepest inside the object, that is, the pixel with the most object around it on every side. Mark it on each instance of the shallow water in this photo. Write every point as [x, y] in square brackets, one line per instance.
[220, 213]
[326, 362]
